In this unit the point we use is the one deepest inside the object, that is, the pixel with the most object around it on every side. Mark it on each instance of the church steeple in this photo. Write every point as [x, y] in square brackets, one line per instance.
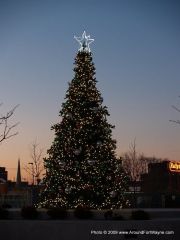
[18, 178]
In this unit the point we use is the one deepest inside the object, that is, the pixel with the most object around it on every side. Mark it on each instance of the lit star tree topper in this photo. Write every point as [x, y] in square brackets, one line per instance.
[84, 42]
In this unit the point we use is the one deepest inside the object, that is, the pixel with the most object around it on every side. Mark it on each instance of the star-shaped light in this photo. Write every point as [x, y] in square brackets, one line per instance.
[84, 42]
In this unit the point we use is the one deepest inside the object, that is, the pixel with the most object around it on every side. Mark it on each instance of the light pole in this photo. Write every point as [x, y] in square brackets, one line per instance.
[31, 163]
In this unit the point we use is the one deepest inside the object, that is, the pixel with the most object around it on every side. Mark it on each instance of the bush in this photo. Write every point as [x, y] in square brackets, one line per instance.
[83, 213]
[6, 205]
[140, 215]
[29, 212]
[57, 213]
[108, 215]
[3, 213]
[117, 217]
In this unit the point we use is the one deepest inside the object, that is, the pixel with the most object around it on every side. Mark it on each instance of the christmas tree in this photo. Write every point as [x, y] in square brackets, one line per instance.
[81, 167]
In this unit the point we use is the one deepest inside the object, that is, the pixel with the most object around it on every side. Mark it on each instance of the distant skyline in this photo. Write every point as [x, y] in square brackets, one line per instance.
[137, 58]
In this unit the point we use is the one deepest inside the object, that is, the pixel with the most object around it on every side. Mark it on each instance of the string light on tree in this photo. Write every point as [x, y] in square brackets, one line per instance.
[99, 143]
[91, 162]
[69, 115]
[77, 151]
[81, 167]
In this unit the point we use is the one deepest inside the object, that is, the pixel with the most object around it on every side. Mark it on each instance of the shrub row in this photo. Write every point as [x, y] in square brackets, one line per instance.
[135, 215]
[80, 213]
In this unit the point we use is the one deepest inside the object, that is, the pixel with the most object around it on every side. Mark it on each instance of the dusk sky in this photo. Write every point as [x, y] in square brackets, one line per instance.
[137, 58]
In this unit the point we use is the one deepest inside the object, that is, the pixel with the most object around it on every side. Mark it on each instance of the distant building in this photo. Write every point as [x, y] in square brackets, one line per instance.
[163, 177]
[3, 173]
[14, 194]
[160, 187]
[3, 180]
[18, 178]
[16, 199]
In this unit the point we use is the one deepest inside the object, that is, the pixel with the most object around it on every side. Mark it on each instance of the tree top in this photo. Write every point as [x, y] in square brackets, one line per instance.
[84, 42]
